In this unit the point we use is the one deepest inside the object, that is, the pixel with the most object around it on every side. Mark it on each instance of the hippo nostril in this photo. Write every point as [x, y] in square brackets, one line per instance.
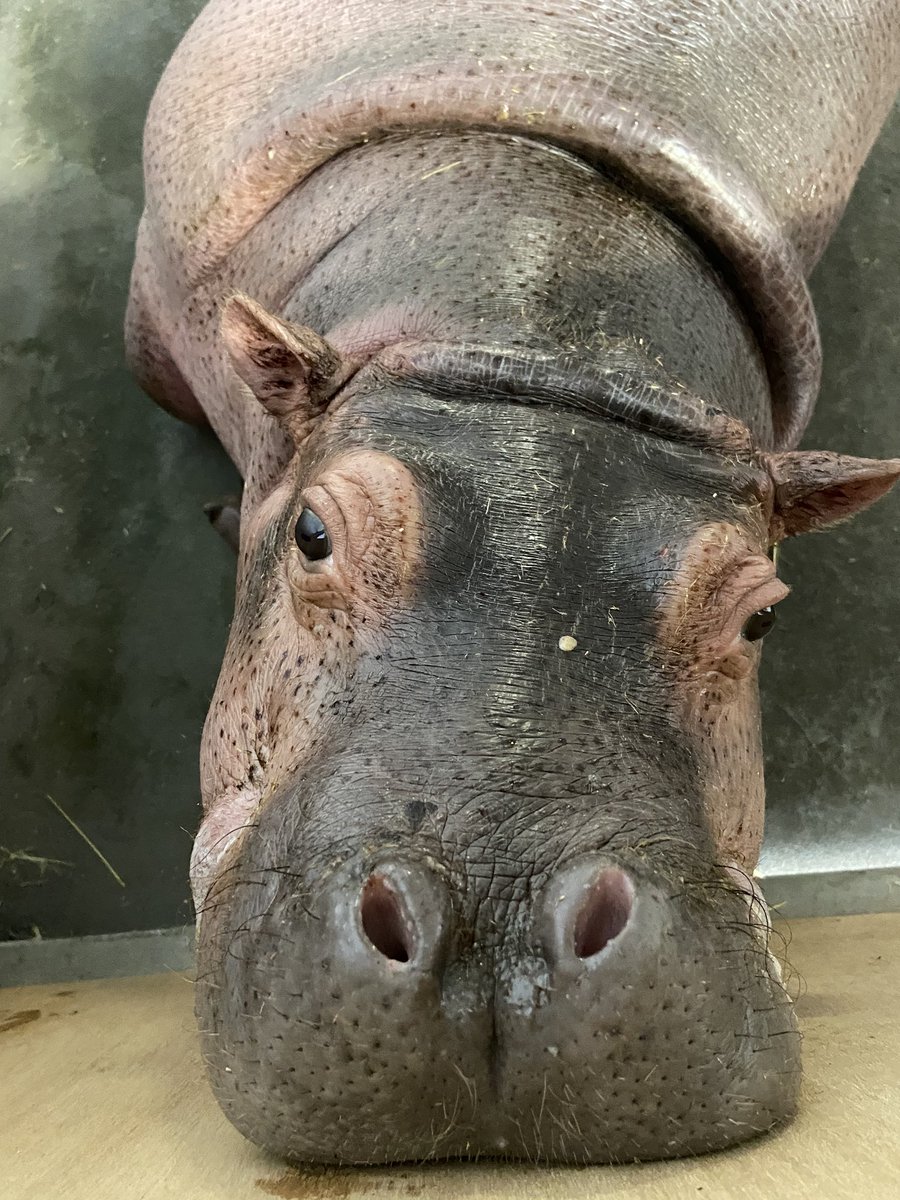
[604, 913]
[383, 920]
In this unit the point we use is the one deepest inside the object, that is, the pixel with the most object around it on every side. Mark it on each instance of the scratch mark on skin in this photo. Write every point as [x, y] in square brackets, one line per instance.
[441, 170]
[540, 1115]
[346, 75]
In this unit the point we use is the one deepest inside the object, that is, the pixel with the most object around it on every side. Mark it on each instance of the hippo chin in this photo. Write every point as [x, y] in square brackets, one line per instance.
[501, 311]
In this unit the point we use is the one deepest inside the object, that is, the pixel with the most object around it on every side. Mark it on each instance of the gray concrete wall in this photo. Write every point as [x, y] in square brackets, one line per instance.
[116, 597]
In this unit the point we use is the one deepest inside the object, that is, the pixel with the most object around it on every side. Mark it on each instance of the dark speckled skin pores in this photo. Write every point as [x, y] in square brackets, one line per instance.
[483, 786]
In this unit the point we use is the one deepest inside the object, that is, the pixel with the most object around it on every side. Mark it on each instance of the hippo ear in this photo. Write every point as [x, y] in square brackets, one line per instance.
[815, 488]
[289, 368]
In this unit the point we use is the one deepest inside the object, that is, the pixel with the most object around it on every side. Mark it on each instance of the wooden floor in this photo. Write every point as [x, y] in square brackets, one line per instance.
[102, 1096]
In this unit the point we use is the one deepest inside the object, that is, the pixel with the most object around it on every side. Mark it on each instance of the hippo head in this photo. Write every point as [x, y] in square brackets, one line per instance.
[482, 774]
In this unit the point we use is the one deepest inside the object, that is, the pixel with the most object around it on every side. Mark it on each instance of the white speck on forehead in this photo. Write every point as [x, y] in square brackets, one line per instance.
[567, 642]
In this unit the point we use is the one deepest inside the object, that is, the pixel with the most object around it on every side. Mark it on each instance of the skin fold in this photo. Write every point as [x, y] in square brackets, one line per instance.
[518, 327]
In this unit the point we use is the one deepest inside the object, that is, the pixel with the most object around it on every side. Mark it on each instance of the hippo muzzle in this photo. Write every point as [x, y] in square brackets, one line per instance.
[392, 1008]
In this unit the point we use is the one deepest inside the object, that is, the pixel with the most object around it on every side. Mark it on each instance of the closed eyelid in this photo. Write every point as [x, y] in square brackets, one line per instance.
[720, 585]
[766, 592]
[745, 580]
[771, 591]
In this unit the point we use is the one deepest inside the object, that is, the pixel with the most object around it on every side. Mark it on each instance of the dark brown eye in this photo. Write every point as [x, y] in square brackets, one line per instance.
[759, 624]
[312, 536]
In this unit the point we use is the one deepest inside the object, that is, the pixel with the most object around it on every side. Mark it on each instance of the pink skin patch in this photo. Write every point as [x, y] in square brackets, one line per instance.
[287, 662]
[721, 581]
[759, 915]
[220, 829]
[753, 894]
[359, 341]
[723, 577]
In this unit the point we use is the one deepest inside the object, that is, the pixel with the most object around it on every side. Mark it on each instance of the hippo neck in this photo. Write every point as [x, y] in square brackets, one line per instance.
[507, 242]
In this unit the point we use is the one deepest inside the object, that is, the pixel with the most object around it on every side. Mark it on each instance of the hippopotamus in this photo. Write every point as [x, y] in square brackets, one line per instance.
[501, 310]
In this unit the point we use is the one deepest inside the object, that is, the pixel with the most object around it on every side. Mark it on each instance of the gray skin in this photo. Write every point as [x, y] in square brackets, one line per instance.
[465, 888]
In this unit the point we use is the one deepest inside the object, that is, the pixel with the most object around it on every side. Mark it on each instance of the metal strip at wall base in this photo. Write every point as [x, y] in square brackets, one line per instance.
[147, 952]
[106, 956]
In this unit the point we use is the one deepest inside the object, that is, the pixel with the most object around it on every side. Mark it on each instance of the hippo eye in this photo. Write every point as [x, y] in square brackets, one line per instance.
[759, 624]
[312, 536]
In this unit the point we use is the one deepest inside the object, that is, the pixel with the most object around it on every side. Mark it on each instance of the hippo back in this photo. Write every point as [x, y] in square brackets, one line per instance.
[748, 122]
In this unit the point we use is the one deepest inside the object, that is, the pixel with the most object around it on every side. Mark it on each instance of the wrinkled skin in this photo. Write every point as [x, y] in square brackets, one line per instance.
[482, 785]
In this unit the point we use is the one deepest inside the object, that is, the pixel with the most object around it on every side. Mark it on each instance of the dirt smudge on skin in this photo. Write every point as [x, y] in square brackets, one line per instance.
[297, 1184]
[25, 1017]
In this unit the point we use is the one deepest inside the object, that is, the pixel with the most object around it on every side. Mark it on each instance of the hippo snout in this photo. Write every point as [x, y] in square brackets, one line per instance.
[605, 1013]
